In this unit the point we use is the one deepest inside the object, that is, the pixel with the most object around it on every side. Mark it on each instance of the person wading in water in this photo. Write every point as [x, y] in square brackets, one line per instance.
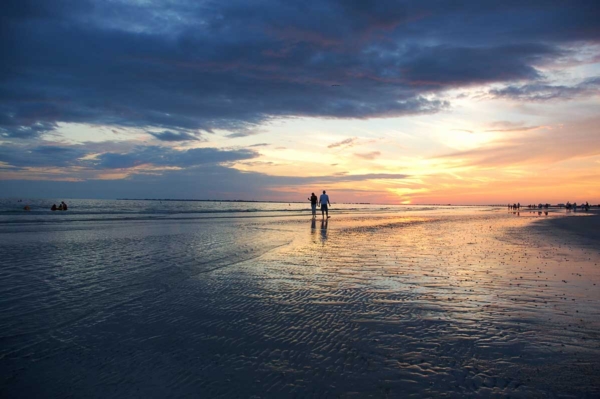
[324, 203]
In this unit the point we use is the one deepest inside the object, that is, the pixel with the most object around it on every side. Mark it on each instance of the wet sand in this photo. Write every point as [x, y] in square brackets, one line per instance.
[464, 304]
[585, 225]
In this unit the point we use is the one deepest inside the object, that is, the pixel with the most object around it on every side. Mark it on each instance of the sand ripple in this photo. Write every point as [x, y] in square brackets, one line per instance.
[452, 305]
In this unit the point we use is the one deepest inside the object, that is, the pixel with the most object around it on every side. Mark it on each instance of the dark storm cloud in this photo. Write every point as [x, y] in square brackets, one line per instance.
[207, 65]
[173, 136]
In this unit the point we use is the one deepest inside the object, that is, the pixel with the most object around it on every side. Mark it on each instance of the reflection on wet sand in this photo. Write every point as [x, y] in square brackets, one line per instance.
[455, 303]
[478, 305]
[324, 224]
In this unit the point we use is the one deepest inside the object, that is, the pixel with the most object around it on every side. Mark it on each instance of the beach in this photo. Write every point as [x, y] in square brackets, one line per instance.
[218, 301]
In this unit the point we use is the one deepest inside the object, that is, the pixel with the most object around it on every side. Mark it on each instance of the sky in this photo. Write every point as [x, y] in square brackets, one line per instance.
[400, 102]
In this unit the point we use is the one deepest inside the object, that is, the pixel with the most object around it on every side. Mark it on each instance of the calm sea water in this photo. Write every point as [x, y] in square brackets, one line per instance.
[11, 209]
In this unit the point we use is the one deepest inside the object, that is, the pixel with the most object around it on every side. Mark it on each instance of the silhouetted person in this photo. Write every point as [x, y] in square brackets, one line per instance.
[64, 206]
[54, 208]
[313, 204]
[324, 203]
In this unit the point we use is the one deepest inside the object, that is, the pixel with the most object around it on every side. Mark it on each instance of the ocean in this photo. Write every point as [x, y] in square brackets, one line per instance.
[11, 209]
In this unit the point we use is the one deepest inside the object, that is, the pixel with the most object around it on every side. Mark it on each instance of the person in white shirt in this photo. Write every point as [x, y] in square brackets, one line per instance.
[324, 202]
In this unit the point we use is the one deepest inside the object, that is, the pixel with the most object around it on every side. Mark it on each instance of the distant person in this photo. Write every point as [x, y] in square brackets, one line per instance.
[54, 208]
[60, 208]
[26, 208]
[313, 204]
[64, 206]
[324, 203]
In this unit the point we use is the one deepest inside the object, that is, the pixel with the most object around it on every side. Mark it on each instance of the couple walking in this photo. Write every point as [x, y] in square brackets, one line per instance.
[323, 203]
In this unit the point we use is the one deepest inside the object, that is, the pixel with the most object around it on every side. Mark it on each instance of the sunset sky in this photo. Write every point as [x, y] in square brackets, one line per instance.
[462, 102]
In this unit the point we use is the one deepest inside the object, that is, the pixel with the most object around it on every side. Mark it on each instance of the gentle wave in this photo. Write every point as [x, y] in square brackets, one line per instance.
[11, 210]
[161, 212]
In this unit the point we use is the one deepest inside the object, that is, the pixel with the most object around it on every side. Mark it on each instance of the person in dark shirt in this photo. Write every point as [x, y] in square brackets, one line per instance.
[54, 208]
[313, 204]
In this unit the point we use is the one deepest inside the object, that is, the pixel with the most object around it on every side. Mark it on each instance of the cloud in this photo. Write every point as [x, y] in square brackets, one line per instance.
[514, 129]
[368, 155]
[546, 92]
[161, 156]
[448, 66]
[347, 142]
[207, 181]
[508, 126]
[340, 178]
[242, 133]
[183, 68]
[233, 65]
[63, 156]
[576, 140]
[11, 130]
[173, 136]
[40, 156]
